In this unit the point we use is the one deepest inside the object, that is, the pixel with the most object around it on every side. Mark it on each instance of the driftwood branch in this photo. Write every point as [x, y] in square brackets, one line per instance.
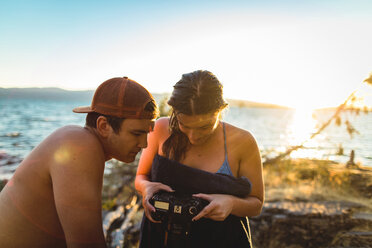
[339, 109]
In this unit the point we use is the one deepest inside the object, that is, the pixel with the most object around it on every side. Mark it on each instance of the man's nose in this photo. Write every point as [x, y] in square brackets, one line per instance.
[143, 142]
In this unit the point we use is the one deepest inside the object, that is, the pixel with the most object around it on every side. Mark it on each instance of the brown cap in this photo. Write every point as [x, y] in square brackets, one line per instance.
[120, 97]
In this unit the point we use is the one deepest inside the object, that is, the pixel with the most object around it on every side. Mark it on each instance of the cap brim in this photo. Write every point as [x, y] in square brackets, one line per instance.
[87, 109]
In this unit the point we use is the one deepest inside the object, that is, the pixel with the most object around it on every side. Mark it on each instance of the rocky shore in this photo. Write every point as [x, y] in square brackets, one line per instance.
[8, 164]
[308, 204]
[281, 224]
[8, 160]
[312, 224]
[294, 215]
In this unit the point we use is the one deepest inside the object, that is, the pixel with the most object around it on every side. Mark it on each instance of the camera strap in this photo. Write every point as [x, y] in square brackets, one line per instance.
[172, 240]
[176, 235]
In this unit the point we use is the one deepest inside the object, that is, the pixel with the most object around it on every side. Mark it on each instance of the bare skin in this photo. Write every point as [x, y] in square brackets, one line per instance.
[206, 152]
[54, 197]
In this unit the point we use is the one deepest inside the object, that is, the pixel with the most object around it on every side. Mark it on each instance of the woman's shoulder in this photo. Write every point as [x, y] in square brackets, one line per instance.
[161, 129]
[239, 136]
[162, 122]
[243, 148]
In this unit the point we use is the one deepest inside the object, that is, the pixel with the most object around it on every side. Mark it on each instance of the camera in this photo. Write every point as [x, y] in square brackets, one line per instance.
[176, 210]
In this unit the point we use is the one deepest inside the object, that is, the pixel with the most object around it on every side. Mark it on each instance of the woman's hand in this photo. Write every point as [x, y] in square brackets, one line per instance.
[149, 190]
[219, 207]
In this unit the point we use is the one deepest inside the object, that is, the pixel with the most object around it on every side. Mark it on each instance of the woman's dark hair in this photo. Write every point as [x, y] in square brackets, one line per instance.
[197, 93]
[114, 122]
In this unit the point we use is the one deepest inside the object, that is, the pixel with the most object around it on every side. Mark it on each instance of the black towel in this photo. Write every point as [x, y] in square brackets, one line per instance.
[185, 179]
[205, 233]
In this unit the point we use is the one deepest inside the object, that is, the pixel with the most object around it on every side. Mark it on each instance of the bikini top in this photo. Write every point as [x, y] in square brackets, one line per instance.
[225, 168]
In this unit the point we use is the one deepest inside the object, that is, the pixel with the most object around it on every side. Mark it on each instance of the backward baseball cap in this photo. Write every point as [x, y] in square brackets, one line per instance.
[121, 97]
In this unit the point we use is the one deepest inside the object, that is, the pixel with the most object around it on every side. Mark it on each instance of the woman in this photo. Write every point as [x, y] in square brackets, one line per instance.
[195, 136]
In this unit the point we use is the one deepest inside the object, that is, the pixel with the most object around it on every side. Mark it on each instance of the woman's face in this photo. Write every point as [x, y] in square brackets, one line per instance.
[198, 128]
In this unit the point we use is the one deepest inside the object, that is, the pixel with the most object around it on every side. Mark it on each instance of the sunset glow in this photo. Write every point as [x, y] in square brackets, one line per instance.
[292, 53]
[302, 126]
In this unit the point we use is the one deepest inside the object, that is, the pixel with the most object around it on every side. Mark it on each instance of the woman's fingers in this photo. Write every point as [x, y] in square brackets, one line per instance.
[159, 186]
[152, 189]
[148, 210]
[207, 210]
[148, 215]
[149, 206]
[218, 208]
[165, 187]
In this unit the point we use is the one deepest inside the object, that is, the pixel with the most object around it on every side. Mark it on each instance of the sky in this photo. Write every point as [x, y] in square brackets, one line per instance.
[303, 54]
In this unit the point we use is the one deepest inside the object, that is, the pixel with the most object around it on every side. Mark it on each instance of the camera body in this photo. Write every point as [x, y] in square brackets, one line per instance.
[176, 209]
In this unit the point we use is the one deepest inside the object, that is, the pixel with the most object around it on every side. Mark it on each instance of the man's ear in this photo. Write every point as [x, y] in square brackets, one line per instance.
[103, 127]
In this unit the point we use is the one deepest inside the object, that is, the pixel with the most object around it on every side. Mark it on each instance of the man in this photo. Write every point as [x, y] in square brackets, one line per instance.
[54, 197]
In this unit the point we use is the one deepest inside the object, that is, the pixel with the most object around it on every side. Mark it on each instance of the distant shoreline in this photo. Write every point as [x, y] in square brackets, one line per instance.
[54, 93]
[86, 95]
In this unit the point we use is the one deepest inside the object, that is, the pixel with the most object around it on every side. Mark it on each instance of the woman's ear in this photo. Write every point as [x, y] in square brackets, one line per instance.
[103, 127]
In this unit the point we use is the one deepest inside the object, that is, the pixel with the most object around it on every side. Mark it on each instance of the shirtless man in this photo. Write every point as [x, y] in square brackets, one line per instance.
[54, 197]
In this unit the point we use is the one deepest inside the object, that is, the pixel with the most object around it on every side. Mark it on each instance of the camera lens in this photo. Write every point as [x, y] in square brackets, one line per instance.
[192, 210]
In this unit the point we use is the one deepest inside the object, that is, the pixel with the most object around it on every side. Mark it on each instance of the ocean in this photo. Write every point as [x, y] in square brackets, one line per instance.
[25, 123]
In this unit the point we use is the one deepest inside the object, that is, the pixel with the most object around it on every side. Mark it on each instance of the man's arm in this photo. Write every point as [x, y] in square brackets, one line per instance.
[76, 176]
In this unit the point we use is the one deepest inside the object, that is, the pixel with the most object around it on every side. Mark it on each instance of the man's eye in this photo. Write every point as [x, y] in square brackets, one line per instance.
[136, 134]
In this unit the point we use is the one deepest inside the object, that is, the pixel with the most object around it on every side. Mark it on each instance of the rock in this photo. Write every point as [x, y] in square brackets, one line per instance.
[351, 163]
[310, 224]
[110, 218]
[6, 159]
[3, 155]
[13, 134]
[2, 183]
[353, 239]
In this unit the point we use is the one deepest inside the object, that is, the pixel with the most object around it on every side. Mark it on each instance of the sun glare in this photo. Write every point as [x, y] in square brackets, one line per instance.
[302, 126]
[61, 155]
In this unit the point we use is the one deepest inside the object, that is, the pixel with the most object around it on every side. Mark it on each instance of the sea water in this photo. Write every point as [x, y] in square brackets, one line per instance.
[25, 123]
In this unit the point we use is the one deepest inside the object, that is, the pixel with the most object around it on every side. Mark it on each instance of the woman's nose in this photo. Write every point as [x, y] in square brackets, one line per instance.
[193, 135]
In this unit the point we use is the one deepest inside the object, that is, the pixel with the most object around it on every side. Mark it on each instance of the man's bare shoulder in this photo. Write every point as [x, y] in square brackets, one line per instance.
[71, 144]
[75, 134]
[77, 156]
[72, 132]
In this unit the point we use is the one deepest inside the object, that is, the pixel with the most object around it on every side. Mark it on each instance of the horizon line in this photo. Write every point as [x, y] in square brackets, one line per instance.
[165, 93]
